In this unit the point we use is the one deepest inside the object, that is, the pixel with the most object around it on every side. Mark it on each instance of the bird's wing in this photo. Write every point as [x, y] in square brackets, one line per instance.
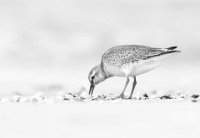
[123, 54]
[131, 53]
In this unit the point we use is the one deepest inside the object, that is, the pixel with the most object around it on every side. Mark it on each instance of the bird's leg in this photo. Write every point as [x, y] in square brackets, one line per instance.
[122, 94]
[134, 84]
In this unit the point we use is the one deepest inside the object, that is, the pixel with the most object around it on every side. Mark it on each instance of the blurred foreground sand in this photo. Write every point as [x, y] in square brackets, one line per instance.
[75, 120]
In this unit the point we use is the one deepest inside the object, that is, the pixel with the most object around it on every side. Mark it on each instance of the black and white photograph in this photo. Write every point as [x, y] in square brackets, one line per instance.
[99, 68]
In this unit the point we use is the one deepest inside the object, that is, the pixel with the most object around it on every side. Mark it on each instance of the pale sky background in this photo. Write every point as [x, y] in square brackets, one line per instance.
[46, 44]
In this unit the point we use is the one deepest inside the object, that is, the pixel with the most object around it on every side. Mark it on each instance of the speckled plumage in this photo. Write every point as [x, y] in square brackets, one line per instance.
[116, 57]
[120, 55]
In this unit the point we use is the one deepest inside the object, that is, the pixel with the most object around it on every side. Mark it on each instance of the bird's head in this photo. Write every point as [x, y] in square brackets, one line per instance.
[96, 76]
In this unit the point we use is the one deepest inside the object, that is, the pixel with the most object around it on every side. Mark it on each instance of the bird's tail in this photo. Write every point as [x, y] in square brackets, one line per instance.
[171, 49]
[161, 53]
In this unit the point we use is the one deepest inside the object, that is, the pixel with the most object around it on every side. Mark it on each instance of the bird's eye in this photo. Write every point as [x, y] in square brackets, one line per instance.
[92, 77]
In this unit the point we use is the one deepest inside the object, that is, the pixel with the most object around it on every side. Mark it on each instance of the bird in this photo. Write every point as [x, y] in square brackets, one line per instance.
[128, 61]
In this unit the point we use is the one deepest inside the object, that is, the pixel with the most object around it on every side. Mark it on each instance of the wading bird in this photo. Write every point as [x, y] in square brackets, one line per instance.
[127, 61]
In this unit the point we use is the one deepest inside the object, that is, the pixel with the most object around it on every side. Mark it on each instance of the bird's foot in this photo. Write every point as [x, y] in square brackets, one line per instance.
[121, 96]
[132, 98]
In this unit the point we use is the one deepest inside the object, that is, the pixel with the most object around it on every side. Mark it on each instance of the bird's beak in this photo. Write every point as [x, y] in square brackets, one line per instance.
[91, 89]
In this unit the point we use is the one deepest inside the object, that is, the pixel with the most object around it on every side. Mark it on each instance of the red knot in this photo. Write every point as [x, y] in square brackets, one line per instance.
[128, 61]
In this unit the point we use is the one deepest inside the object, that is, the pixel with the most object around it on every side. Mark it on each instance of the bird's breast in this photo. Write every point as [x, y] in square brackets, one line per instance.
[113, 70]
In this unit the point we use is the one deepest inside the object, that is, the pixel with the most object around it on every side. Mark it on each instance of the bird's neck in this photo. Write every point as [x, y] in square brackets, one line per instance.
[106, 75]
